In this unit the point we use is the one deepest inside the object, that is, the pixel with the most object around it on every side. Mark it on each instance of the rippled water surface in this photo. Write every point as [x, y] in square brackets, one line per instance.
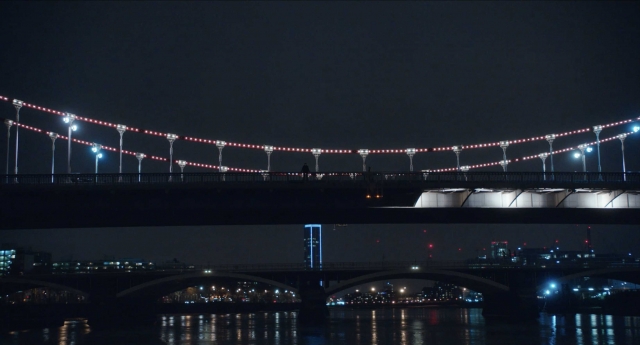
[409, 326]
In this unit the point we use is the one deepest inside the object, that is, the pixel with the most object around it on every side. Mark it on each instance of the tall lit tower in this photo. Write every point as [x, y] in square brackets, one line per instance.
[313, 246]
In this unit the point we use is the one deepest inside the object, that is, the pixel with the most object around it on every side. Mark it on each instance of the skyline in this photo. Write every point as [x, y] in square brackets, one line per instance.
[328, 75]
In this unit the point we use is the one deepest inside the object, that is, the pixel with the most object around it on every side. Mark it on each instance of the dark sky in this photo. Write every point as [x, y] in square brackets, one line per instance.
[330, 75]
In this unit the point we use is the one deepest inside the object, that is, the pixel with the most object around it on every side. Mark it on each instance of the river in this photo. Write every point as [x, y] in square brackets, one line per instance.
[410, 326]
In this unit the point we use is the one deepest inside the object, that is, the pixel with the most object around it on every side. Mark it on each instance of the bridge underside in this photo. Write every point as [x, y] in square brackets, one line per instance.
[193, 204]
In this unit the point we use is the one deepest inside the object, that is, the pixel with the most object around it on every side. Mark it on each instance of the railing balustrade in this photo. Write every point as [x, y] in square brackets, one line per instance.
[545, 179]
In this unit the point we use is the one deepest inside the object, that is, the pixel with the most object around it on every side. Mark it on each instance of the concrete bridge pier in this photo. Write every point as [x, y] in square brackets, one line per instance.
[313, 305]
[121, 313]
[520, 302]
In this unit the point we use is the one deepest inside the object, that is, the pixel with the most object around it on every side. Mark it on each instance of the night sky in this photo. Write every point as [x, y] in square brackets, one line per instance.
[383, 75]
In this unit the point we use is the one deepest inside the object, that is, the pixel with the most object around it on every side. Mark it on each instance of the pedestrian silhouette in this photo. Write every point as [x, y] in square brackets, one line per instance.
[305, 172]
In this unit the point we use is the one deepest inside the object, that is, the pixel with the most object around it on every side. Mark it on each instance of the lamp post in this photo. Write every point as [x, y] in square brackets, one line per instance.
[583, 148]
[68, 119]
[550, 138]
[364, 153]
[140, 157]
[17, 104]
[220, 145]
[597, 130]
[457, 150]
[503, 164]
[53, 137]
[171, 138]
[316, 154]
[624, 169]
[121, 129]
[269, 150]
[96, 149]
[410, 152]
[465, 169]
[182, 164]
[503, 146]
[223, 170]
[8, 123]
[543, 157]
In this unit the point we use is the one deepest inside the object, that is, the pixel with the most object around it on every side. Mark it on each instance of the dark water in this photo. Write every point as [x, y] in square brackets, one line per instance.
[409, 326]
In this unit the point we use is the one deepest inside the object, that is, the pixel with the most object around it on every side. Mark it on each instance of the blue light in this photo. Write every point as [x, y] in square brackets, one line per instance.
[589, 149]
[553, 286]
[577, 155]
[547, 292]
[636, 129]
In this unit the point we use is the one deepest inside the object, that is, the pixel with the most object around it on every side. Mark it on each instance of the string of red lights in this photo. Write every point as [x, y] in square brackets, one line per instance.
[332, 151]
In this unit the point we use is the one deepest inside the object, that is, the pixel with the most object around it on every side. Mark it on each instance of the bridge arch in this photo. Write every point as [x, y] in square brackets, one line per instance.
[627, 274]
[21, 283]
[177, 282]
[470, 281]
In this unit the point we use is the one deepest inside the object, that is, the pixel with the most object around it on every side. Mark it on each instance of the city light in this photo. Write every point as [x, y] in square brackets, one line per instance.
[636, 129]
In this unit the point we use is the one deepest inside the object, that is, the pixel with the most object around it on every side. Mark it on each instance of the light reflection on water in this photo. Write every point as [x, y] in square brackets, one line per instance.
[404, 326]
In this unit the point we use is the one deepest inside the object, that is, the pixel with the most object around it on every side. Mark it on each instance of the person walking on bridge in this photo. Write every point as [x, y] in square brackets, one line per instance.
[305, 172]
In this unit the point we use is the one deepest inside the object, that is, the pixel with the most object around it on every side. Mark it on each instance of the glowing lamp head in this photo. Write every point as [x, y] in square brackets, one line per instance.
[636, 129]
[268, 148]
[316, 151]
[18, 103]
[465, 168]
[171, 137]
[8, 122]
[589, 148]
[411, 151]
[53, 135]
[121, 128]
[223, 169]
[577, 155]
[504, 144]
[220, 143]
[543, 155]
[74, 128]
[550, 137]
[96, 147]
[99, 155]
[457, 149]
[140, 155]
[182, 163]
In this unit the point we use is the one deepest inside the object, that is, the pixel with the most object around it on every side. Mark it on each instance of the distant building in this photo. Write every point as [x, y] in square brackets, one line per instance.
[100, 266]
[313, 246]
[499, 250]
[16, 261]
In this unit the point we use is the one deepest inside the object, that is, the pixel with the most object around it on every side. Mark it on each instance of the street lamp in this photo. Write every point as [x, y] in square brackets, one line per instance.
[622, 137]
[504, 145]
[223, 170]
[17, 104]
[171, 138]
[68, 119]
[220, 145]
[140, 157]
[550, 138]
[121, 129]
[96, 149]
[364, 153]
[636, 129]
[503, 164]
[582, 148]
[269, 150]
[316, 154]
[543, 156]
[457, 150]
[182, 164]
[464, 169]
[411, 152]
[8, 123]
[53, 137]
[597, 130]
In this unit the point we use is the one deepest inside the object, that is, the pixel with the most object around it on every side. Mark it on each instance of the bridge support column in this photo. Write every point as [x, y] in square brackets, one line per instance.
[119, 313]
[313, 306]
[515, 305]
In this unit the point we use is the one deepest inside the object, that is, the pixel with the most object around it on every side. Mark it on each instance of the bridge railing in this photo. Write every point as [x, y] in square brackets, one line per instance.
[342, 177]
